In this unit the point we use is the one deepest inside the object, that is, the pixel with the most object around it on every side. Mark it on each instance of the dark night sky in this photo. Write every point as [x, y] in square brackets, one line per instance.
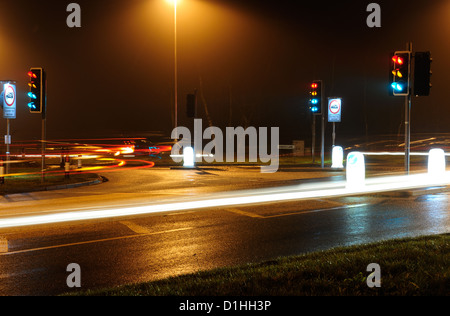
[250, 60]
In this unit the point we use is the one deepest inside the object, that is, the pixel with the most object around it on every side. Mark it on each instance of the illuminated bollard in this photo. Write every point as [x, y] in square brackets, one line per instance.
[356, 170]
[188, 157]
[337, 157]
[436, 163]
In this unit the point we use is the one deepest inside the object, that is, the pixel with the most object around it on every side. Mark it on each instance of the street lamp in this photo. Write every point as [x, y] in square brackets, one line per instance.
[175, 2]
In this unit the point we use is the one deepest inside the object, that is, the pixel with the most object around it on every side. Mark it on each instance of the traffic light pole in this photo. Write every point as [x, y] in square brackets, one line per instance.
[43, 132]
[313, 138]
[44, 129]
[322, 150]
[407, 132]
[408, 118]
[316, 107]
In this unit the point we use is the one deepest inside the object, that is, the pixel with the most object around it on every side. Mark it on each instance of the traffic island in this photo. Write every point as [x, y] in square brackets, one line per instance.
[25, 184]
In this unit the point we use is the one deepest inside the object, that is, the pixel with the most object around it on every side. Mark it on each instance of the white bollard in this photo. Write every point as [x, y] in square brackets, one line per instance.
[188, 157]
[337, 157]
[356, 170]
[436, 163]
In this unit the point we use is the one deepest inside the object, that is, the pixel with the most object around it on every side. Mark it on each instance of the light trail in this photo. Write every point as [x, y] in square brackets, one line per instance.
[80, 150]
[116, 165]
[393, 153]
[248, 197]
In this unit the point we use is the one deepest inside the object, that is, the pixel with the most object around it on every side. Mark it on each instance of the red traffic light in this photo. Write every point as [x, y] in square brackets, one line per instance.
[32, 74]
[314, 85]
[397, 59]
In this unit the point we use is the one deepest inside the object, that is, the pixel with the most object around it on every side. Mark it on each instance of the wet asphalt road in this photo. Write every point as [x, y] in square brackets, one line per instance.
[122, 250]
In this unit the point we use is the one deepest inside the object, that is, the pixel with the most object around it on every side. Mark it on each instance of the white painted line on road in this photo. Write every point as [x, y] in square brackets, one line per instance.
[248, 214]
[138, 229]
[240, 212]
[320, 210]
[95, 241]
[180, 213]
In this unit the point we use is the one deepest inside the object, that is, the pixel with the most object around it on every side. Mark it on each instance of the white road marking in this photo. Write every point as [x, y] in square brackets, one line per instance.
[95, 241]
[249, 214]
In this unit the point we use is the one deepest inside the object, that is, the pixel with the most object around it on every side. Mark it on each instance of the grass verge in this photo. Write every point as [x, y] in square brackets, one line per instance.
[413, 266]
[30, 183]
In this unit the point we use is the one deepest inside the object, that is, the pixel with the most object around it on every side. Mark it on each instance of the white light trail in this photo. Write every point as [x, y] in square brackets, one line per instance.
[248, 197]
[394, 153]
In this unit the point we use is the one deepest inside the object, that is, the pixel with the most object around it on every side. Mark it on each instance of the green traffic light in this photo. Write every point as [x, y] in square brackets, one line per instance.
[397, 86]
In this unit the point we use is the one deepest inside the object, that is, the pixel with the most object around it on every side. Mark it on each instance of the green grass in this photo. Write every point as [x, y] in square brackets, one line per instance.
[416, 266]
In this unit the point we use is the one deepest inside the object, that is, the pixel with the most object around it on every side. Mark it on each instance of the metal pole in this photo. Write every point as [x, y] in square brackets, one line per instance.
[44, 128]
[313, 138]
[408, 116]
[334, 134]
[407, 132]
[43, 148]
[7, 145]
[322, 150]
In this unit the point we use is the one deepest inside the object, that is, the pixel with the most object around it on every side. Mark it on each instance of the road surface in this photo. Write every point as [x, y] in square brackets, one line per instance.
[121, 250]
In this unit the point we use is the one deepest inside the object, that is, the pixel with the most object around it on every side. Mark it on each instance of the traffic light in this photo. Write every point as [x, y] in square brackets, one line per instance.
[422, 73]
[315, 97]
[37, 90]
[400, 73]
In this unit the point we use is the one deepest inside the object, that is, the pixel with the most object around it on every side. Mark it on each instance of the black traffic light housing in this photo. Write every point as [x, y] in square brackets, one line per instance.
[422, 73]
[400, 73]
[315, 97]
[37, 93]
